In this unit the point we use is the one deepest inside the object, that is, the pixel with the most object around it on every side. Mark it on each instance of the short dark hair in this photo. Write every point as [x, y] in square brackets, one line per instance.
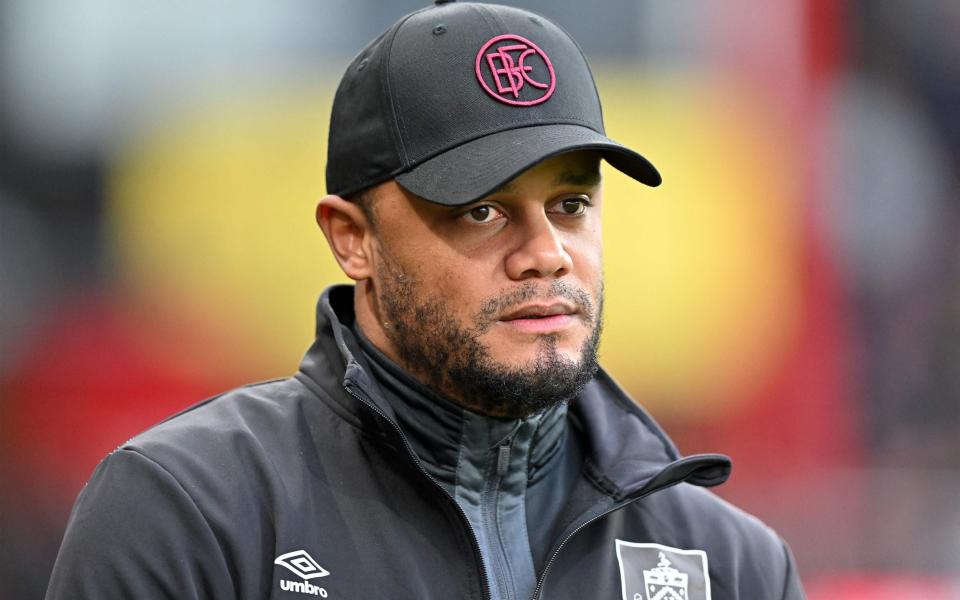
[366, 199]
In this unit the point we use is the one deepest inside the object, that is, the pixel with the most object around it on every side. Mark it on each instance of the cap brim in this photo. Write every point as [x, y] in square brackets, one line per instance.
[473, 170]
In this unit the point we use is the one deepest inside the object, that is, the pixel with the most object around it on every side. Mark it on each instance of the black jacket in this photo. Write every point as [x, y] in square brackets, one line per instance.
[306, 487]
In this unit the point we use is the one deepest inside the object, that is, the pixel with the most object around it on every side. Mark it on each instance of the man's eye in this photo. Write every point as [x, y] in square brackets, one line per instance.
[482, 214]
[574, 206]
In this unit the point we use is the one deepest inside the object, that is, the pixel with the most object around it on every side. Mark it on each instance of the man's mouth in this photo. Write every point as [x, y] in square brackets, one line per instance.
[541, 318]
[540, 311]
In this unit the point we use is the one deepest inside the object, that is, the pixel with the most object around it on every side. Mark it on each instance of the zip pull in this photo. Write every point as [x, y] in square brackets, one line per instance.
[503, 459]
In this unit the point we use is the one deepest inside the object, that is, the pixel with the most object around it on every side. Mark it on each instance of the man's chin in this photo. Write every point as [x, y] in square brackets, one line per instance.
[524, 352]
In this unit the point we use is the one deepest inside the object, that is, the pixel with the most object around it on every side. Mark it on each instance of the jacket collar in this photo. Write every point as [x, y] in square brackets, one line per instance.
[627, 453]
[450, 439]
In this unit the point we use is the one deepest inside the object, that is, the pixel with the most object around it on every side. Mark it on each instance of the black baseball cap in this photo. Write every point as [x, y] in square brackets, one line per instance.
[456, 99]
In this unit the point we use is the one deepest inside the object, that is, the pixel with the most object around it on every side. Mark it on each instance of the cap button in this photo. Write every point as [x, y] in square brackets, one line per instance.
[440, 2]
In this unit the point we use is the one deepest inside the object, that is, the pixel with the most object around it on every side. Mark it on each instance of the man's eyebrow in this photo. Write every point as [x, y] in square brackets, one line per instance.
[579, 178]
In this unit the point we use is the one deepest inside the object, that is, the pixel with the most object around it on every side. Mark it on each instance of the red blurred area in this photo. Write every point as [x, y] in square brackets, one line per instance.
[805, 415]
[89, 379]
[882, 586]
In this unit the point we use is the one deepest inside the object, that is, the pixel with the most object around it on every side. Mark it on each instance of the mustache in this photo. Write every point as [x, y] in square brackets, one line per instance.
[492, 308]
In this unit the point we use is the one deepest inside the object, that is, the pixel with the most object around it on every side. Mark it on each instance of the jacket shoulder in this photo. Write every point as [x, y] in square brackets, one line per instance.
[277, 418]
[744, 553]
[245, 413]
[193, 502]
[135, 532]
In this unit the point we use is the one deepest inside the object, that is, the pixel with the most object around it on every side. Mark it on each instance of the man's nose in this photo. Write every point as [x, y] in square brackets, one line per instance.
[539, 251]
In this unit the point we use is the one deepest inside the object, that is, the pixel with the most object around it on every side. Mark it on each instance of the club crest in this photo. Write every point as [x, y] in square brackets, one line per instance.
[515, 71]
[657, 572]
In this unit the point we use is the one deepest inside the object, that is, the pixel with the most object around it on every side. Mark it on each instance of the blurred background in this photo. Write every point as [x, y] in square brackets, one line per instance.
[789, 296]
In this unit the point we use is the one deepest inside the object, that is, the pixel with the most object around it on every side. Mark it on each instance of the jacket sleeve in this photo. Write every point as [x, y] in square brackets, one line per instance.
[135, 532]
[792, 589]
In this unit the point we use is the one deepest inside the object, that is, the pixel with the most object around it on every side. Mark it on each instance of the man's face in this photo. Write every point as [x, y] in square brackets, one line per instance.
[496, 304]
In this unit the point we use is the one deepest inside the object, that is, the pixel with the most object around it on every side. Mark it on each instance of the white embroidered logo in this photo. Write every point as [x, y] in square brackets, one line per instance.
[302, 565]
[663, 582]
[657, 572]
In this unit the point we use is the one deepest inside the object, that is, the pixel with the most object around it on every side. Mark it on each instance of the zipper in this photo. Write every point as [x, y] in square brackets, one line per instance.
[553, 557]
[503, 459]
[501, 466]
[503, 456]
[416, 461]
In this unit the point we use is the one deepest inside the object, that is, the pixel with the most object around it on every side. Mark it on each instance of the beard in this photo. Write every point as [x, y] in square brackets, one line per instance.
[450, 358]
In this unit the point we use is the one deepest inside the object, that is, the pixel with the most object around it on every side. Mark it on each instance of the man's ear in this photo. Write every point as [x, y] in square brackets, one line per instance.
[349, 234]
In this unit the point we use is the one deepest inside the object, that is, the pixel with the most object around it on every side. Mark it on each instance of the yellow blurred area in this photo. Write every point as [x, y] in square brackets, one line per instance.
[214, 215]
[701, 272]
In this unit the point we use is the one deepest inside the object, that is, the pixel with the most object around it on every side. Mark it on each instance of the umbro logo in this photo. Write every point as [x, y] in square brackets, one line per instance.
[303, 566]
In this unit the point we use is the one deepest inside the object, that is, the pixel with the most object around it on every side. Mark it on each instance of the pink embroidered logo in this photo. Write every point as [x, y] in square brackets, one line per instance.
[515, 71]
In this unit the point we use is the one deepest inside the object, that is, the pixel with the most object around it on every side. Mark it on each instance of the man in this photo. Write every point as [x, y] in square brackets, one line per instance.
[448, 434]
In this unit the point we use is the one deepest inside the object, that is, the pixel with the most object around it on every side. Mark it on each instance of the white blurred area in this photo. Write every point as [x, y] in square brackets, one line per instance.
[78, 75]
